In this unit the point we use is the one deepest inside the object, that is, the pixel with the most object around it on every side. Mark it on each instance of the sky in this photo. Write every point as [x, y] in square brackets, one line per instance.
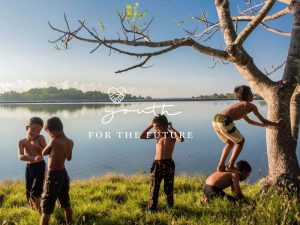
[28, 60]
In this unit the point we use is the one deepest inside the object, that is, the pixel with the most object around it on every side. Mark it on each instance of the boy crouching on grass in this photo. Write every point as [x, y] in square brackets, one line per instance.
[57, 183]
[163, 167]
[218, 181]
[30, 150]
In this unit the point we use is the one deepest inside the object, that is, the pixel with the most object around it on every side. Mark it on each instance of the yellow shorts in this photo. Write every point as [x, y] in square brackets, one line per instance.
[227, 131]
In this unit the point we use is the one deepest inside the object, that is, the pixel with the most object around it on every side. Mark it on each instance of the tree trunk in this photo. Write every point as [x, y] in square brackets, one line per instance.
[295, 114]
[284, 169]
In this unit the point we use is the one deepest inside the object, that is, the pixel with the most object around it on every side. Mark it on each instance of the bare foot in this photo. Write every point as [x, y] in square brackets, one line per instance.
[30, 203]
[229, 167]
[37, 202]
[221, 168]
[232, 169]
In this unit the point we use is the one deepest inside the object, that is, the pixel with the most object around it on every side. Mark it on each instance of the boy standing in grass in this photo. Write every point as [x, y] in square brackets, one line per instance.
[218, 181]
[57, 183]
[228, 133]
[30, 150]
[163, 167]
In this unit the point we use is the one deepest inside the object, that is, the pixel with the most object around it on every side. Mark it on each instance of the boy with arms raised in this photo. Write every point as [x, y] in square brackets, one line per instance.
[30, 150]
[163, 167]
[218, 181]
[226, 130]
[57, 183]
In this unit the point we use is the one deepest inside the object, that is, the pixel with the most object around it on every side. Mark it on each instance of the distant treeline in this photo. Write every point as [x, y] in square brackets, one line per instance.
[55, 94]
[222, 96]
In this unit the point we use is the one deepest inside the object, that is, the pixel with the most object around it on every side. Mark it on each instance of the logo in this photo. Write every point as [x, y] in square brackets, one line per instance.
[116, 95]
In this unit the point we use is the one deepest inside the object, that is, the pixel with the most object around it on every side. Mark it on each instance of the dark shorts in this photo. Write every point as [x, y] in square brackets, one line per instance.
[161, 170]
[34, 179]
[57, 186]
[212, 192]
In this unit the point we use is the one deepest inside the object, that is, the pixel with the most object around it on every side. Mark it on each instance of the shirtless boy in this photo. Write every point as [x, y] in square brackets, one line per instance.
[30, 150]
[218, 181]
[163, 167]
[57, 183]
[228, 133]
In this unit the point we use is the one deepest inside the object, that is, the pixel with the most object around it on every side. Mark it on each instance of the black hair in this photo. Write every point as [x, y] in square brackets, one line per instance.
[36, 120]
[160, 119]
[243, 165]
[54, 124]
[242, 92]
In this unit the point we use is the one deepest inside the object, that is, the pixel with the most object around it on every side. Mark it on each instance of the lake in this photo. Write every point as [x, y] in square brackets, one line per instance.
[104, 144]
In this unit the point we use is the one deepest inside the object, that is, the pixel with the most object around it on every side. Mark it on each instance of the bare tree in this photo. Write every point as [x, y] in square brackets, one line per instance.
[282, 97]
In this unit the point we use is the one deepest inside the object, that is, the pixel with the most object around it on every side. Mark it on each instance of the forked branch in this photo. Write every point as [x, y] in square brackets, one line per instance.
[139, 39]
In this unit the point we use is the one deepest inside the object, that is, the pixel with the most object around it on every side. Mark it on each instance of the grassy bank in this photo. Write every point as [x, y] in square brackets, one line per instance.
[116, 200]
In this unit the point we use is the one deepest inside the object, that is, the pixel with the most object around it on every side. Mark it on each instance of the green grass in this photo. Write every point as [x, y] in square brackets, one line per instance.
[117, 200]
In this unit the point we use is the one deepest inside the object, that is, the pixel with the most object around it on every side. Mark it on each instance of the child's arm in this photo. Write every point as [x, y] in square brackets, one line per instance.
[235, 188]
[248, 120]
[264, 121]
[21, 155]
[70, 155]
[47, 149]
[39, 144]
[146, 135]
[178, 137]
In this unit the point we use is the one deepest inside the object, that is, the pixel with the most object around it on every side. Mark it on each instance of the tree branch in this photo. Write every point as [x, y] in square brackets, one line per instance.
[226, 23]
[167, 46]
[254, 23]
[254, 76]
[209, 51]
[245, 18]
[291, 74]
[135, 66]
[274, 69]
[284, 1]
[276, 31]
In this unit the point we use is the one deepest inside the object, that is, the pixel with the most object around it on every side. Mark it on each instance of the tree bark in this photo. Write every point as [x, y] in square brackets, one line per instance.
[283, 102]
[295, 115]
[284, 169]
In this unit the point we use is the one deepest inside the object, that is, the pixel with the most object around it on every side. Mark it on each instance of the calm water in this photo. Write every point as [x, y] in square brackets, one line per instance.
[96, 156]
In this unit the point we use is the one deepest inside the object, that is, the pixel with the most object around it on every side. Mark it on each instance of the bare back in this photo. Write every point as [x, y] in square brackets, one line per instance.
[220, 180]
[61, 149]
[238, 110]
[164, 147]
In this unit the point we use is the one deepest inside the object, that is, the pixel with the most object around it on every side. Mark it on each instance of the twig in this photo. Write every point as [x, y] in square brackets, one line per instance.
[135, 66]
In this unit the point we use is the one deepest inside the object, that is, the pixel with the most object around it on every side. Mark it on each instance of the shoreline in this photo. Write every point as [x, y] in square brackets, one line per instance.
[144, 174]
[125, 101]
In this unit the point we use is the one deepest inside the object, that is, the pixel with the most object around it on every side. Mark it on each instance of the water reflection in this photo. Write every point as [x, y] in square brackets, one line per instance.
[129, 155]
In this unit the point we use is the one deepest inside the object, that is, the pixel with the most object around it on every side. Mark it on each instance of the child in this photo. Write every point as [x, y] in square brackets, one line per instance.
[218, 181]
[228, 133]
[30, 150]
[163, 167]
[57, 183]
